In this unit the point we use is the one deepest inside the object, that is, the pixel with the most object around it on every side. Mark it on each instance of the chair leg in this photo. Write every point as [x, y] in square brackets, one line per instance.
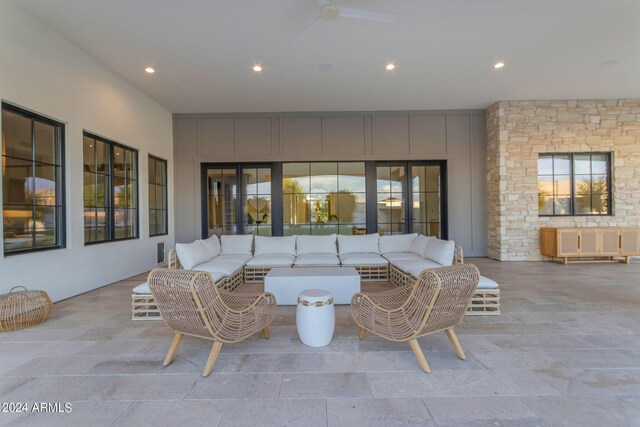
[418, 352]
[177, 338]
[455, 343]
[265, 333]
[215, 350]
[362, 333]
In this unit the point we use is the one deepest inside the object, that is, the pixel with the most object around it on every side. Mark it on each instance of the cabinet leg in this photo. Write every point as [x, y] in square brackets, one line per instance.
[627, 260]
[566, 260]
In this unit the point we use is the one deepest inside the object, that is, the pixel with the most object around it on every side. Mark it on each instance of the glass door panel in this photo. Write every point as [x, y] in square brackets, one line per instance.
[222, 201]
[391, 199]
[256, 193]
[426, 207]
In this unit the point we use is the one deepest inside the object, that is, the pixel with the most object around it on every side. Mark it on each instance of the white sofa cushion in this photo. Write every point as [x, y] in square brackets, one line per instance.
[308, 260]
[486, 283]
[396, 243]
[316, 245]
[237, 244]
[275, 245]
[236, 258]
[213, 246]
[366, 244]
[440, 251]
[362, 259]
[397, 256]
[226, 266]
[419, 245]
[191, 254]
[415, 271]
[272, 260]
[216, 275]
[406, 264]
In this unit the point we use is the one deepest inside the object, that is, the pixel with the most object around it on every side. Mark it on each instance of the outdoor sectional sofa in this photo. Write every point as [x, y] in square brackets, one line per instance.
[399, 259]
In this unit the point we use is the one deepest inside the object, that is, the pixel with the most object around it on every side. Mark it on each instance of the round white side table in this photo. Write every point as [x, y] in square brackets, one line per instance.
[315, 317]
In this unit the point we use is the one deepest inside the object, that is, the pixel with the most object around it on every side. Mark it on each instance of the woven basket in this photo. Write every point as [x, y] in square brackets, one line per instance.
[23, 309]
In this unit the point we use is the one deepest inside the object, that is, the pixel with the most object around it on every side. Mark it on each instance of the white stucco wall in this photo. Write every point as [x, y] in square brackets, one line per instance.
[41, 71]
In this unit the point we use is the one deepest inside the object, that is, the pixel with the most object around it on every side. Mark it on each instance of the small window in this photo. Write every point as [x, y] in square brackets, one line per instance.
[157, 196]
[574, 184]
[32, 181]
[110, 190]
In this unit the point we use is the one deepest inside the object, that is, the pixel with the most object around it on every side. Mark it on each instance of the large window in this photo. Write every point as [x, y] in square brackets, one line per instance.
[319, 198]
[574, 184]
[158, 222]
[324, 198]
[110, 190]
[32, 181]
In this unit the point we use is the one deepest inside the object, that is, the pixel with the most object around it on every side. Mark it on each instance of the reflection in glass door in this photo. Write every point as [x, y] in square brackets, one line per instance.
[222, 201]
[410, 202]
[425, 207]
[256, 194]
[391, 199]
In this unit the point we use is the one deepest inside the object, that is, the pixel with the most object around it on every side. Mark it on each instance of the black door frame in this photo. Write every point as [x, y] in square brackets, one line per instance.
[277, 226]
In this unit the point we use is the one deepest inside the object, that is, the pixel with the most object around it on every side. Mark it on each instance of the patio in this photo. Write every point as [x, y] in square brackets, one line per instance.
[565, 351]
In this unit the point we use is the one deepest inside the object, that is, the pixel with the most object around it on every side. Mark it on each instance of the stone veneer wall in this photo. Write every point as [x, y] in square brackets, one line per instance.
[518, 131]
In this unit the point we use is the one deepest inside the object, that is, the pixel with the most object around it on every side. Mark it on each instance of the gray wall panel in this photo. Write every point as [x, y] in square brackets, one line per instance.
[459, 174]
[185, 131]
[459, 137]
[216, 137]
[391, 134]
[345, 135]
[301, 136]
[255, 136]
[428, 134]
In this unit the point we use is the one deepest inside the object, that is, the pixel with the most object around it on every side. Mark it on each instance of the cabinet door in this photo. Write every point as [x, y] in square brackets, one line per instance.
[567, 242]
[588, 242]
[609, 242]
[629, 242]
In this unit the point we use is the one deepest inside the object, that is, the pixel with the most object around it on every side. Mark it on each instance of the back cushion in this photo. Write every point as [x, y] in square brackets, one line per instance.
[367, 244]
[419, 245]
[237, 245]
[212, 244]
[275, 245]
[396, 243]
[192, 254]
[440, 251]
[316, 245]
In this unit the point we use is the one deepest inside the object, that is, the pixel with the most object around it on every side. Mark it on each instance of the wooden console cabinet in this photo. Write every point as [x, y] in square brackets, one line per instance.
[598, 243]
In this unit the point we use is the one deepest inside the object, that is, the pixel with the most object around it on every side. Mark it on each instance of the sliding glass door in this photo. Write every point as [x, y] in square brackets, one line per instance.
[409, 198]
[324, 198]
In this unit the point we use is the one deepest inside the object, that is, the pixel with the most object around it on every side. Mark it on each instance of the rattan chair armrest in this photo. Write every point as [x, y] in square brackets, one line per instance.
[391, 299]
[243, 303]
[363, 302]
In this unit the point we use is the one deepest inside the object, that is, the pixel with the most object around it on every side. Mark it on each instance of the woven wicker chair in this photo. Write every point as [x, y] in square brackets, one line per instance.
[437, 302]
[191, 304]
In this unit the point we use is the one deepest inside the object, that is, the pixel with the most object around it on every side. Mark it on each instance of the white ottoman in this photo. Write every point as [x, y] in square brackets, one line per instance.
[143, 306]
[315, 317]
[486, 299]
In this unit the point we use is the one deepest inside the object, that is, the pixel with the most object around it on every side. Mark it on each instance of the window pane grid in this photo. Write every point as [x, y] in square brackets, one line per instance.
[574, 184]
[32, 154]
[110, 190]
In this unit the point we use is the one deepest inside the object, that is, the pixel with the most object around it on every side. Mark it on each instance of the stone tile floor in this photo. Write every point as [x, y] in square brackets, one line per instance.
[565, 351]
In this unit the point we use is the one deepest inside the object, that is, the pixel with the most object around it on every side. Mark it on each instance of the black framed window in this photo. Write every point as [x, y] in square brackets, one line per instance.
[353, 197]
[32, 181]
[574, 184]
[110, 190]
[158, 220]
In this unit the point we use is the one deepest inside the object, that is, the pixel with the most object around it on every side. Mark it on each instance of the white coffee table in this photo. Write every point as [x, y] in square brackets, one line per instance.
[287, 283]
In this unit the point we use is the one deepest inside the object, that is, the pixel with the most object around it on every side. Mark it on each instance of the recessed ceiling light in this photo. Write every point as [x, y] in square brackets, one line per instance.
[390, 66]
[498, 65]
[150, 70]
[257, 68]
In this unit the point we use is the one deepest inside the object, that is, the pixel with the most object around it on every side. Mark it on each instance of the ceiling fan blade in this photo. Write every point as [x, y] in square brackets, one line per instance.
[303, 35]
[367, 15]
